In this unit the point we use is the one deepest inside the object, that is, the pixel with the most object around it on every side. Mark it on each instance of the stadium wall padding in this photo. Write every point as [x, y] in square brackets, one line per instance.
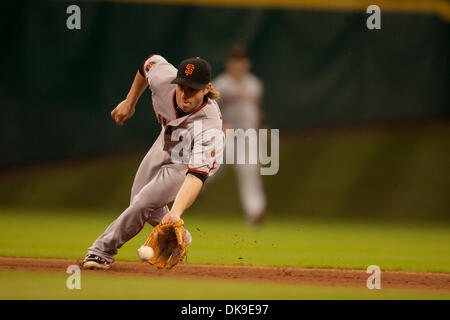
[319, 68]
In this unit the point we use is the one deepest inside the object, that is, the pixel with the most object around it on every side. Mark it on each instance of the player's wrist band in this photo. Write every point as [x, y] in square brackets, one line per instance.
[199, 175]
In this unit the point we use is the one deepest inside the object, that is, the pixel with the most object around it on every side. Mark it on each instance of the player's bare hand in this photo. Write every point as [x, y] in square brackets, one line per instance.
[170, 218]
[123, 112]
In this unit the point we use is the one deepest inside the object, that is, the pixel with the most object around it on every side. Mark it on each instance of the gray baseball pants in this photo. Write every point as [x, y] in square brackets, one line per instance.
[156, 184]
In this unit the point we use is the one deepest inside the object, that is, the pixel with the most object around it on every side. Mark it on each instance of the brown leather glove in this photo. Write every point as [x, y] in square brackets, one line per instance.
[168, 241]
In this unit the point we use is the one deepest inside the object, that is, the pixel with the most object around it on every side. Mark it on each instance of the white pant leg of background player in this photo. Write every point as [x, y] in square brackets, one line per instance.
[251, 190]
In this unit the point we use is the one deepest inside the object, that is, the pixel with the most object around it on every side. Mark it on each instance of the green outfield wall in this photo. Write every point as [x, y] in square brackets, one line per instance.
[320, 68]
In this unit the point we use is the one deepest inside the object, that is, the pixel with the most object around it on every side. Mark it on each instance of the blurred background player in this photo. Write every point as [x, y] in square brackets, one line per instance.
[240, 102]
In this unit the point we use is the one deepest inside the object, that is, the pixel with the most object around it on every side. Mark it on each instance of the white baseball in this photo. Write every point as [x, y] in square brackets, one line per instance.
[145, 253]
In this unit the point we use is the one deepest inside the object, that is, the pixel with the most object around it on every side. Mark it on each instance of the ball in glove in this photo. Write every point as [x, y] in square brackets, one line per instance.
[145, 253]
[168, 241]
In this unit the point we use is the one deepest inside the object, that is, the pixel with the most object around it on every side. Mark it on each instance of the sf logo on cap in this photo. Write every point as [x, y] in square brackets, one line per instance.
[189, 69]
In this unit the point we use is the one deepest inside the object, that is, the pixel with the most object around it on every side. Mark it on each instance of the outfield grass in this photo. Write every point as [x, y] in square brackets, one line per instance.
[395, 175]
[294, 243]
[39, 285]
[394, 182]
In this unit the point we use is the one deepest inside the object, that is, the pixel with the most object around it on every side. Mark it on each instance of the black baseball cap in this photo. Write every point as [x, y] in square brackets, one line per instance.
[194, 73]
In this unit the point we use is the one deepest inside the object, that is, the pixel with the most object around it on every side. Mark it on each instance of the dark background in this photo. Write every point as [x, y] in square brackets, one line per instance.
[363, 114]
[320, 68]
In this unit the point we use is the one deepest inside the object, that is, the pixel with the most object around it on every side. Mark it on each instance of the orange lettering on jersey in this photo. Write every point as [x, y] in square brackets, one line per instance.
[149, 66]
[189, 69]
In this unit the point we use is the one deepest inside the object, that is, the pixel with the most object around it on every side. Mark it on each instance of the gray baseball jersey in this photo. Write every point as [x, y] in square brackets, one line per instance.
[186, 144]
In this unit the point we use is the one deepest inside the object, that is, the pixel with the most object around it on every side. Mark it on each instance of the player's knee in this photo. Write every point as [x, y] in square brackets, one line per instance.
[138, 206]
[139, 202]
[135, 201]
[133, 196]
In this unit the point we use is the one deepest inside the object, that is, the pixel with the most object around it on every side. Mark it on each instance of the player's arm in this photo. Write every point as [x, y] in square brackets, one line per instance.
[125, 109]
[208, 147]
[185, 198]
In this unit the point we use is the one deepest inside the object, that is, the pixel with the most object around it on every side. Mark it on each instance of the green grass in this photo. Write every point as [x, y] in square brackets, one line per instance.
[338, 201]
[390, 175]
[38, 285]
[280, 242]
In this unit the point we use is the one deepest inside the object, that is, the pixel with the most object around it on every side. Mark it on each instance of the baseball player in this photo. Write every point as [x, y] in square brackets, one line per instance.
[183, 101]
[240, 103]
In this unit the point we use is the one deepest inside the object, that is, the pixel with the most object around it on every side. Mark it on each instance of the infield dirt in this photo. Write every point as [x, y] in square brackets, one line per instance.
[293, 276]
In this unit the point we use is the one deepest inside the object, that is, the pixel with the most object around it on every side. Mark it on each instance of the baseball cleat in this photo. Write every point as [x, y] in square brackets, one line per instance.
[95, 262]
[257, 220]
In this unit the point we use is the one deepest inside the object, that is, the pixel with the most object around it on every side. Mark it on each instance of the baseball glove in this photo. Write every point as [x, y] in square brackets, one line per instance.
[168, 241]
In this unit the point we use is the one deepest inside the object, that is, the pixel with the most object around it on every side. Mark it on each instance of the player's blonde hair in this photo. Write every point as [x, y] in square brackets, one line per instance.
[213, 94]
